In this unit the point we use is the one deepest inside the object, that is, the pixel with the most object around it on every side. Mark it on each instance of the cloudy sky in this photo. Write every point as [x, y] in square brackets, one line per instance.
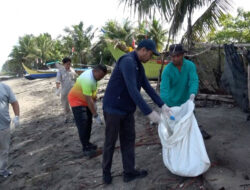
[20, 17]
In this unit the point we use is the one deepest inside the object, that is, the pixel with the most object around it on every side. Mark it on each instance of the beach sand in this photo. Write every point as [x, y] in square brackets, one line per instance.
[45, 153]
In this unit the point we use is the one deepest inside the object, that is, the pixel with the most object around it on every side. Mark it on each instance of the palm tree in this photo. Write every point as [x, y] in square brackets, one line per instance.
[122, 34]
[175, 12]
[27, 48]
[81, 40]
[26, 51]
[44, 44]
[157, 33]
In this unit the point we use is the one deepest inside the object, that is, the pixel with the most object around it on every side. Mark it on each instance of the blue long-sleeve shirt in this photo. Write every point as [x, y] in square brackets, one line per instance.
[123, 90]
[177, 86]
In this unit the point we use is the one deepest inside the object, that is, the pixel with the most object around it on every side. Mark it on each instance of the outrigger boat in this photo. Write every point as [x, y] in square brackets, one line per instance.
[36, 74]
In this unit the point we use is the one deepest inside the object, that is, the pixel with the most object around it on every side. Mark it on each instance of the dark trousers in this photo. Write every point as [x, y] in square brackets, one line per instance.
[125, 127]
[83, 120]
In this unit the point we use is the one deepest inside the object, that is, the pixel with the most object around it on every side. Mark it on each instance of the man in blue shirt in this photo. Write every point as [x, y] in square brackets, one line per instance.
[119, 104]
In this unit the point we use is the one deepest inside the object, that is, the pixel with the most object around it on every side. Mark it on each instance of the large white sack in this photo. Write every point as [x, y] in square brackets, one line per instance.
[183, 148]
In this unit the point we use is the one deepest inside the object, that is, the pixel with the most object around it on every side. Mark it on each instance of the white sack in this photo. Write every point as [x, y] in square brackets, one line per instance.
[183, 148]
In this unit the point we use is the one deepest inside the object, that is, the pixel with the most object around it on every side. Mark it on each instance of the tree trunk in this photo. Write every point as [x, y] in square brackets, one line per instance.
[189, 30]
[162, 64]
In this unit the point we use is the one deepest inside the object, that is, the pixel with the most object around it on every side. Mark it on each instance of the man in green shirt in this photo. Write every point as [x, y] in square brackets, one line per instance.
[179, 81]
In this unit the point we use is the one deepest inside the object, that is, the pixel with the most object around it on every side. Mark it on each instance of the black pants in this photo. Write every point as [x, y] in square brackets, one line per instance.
[125, 127]
[83, 120]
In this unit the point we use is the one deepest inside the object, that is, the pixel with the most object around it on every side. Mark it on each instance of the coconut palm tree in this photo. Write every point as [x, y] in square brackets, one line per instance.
[175, 12]
[81, 40]
[157, 33]
[123, 34]
[26, 51]
[45, 45]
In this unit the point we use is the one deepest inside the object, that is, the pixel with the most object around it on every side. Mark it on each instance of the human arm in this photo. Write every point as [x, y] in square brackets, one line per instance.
[193, 82]
[89, 91]
[165, 86]
[16, 109]
[58, 79]
[151, 92]
[128, 69]
[91, 105]
[74, 74]
[58, 85]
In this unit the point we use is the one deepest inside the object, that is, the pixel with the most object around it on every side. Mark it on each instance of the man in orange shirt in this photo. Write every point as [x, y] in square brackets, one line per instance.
[82, 98]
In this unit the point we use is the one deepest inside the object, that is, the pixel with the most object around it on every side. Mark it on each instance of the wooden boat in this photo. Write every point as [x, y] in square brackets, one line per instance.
[152, 67]
[36, 74]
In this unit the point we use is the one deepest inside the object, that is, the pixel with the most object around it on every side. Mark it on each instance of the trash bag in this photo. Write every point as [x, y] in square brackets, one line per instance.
[183, 148]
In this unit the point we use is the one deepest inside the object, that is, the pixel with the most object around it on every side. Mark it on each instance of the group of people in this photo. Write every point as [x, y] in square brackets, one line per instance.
[179, 83]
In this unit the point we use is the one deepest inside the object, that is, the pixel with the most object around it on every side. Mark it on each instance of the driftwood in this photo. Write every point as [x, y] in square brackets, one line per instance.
[216, 97]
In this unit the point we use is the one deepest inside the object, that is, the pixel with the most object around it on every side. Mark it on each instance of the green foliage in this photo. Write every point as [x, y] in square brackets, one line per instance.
[158, 34]
[80, 39]
[101, 53]
[126, 33]
[115, 31]
[152, 68]
[176, 11]
[35, 51]
[233, 29]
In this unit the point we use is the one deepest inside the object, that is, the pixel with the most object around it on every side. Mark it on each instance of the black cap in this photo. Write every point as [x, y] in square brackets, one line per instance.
[149, 45]
[175, 49]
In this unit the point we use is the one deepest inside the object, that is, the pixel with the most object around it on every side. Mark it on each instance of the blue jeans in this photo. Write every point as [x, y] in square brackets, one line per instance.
[83, 120]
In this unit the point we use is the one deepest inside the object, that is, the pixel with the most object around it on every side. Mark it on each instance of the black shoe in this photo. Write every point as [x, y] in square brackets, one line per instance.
[89, 153]
[91, 146]
[127, 177]
[205, 135]
[107, 178]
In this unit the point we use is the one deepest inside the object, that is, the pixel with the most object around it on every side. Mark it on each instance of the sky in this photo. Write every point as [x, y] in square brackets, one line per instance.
[20, 17]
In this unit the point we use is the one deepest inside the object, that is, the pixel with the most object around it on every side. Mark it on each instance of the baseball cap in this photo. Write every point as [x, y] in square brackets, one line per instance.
[149, 45]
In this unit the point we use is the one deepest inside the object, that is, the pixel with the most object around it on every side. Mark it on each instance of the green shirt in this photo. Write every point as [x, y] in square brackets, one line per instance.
[177, 86]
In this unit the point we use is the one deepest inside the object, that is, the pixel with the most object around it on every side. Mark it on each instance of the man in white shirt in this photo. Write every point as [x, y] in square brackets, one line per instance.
[65, 79]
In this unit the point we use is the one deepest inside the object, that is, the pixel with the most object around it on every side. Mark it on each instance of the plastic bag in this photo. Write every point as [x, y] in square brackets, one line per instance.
[183, 148]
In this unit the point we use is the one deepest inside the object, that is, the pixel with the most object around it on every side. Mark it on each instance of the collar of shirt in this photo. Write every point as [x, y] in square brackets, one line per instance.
[134, 54]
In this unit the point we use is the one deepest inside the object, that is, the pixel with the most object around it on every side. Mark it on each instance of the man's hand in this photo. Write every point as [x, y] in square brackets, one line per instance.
[97, 120]
[166, 110]
[192, 96]
[58, 91]
[154, 117]
[15, 121]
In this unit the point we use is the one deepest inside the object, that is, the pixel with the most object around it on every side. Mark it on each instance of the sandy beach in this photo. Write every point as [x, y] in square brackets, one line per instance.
[45, 153]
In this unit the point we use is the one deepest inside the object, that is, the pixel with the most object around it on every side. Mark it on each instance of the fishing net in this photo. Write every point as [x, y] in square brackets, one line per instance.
[234, 77]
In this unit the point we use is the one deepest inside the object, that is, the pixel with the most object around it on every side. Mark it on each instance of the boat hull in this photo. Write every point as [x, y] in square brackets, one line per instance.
[39, 76]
